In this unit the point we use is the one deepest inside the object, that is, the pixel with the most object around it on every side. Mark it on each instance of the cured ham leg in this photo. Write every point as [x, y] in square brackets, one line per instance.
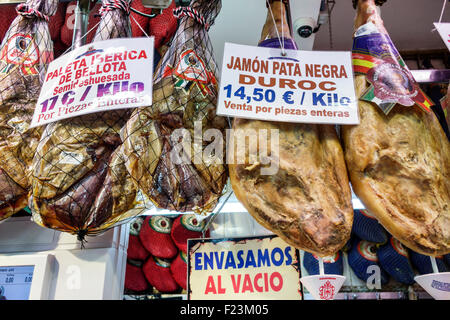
[25, 53]
[80, 183]
[307, 202]
[184, 99]
[399, 162]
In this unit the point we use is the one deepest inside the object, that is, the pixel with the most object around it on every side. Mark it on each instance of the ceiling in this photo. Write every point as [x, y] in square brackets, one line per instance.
[409, 22]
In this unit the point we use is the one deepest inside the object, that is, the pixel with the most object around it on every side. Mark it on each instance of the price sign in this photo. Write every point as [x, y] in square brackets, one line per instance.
[300, 86]
[98, 77]
[444, 32]
[15, 282]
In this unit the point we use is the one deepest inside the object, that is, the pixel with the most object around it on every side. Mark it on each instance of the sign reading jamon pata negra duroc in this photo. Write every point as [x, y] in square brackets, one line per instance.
[290, 86]
[98, 77]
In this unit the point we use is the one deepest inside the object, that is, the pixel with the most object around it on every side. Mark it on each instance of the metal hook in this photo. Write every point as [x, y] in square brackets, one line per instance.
[144, 14]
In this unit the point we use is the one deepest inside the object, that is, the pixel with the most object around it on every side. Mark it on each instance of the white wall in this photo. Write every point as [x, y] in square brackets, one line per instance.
[93, 273]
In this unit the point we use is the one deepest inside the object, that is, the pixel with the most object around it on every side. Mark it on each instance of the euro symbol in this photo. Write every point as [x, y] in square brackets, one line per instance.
[287, 97]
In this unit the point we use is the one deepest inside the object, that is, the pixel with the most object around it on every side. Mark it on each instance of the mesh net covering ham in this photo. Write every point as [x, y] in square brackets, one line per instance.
[184, 100]
[24, 55]
[307, 202]
[80, 184]
[399, 163]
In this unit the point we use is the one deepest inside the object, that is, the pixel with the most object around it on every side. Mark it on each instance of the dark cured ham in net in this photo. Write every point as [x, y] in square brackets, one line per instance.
[25, 53]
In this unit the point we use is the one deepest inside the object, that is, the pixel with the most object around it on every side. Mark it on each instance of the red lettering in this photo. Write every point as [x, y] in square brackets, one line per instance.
[210, 287]
[117, 56]
[246, 79]
[247, 285]
[322, 85]
[276, 66]
[256, 284]
[142, 55]
[132, 55]
[219, 282]
[236, 285]
[279, 286]
[334, 71]
[289, 82]
[122, 66]
[343, 74]
[272, 83]
[311, 85]
[50, 74]
[266, 281]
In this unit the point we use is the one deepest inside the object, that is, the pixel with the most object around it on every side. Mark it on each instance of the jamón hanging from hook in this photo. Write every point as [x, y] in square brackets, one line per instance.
[184, 104]
[25, 53]
[80, 183]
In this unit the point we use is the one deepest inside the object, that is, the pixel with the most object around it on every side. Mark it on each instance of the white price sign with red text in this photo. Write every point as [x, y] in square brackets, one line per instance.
[98, 77]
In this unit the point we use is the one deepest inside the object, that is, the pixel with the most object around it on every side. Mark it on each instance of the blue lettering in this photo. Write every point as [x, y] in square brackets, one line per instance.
[209, 261]
[103, 89]
[274, 260]
[250, 260]
[137, 87]
[318, 98]
[219, 261]
[230, 261]
[241, 260]
[344, 101]
[198, 261]
[287, 253]
[263, 258]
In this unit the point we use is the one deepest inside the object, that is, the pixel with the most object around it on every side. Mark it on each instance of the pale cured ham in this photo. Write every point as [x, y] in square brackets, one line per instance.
[398, 160]
[307, 202]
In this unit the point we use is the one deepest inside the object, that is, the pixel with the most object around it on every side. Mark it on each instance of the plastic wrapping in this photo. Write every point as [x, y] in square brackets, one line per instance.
[134, 278]
[184, 102]
[136, 251]
[156, 237]
[25, 53]
[179, 270]
[158, 273]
